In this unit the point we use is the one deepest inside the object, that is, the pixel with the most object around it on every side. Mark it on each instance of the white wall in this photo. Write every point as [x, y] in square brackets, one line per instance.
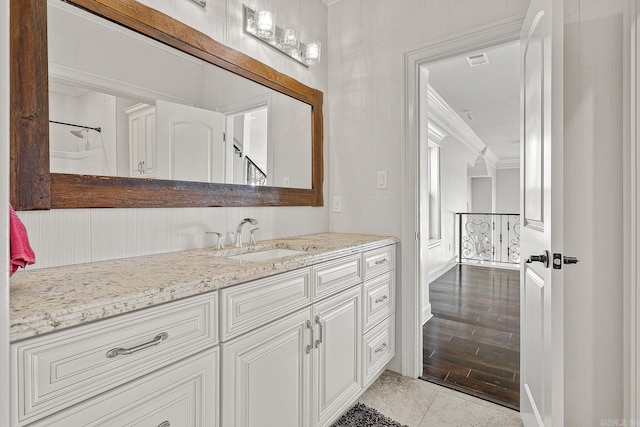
[593, 311]
[482, 195]
[454, 158]
[508, 190]
[366, 43]
[367, 39]
[63, 237]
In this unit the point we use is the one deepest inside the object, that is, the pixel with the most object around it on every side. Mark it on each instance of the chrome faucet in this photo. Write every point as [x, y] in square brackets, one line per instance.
[239, 230]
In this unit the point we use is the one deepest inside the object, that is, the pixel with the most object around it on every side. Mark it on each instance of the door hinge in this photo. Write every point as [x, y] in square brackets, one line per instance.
[224, 137]
[417, 235]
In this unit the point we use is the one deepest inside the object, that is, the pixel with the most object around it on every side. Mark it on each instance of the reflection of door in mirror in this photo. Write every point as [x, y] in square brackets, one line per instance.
[190, 143]
[249, 131]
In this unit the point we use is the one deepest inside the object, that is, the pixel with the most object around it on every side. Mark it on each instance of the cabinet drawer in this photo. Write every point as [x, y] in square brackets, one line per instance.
[54, 371]
[379, 346]
[184, 394]
[334, 276]
[379, 261]
[250, 305]
[379, 298]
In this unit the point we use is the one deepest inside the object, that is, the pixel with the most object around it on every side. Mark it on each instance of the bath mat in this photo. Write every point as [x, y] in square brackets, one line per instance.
[363, 416]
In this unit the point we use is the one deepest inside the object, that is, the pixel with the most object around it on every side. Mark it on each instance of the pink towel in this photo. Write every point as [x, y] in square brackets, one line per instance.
[21, 252]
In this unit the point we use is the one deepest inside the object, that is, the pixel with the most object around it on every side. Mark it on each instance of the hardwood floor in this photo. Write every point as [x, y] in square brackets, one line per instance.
[472, 342]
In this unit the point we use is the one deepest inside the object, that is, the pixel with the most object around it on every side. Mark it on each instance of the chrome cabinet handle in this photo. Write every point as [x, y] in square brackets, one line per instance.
[319, 323]
[381, 348]
[310, 346]
[381, 261]
[381, 299]
[125, 351]
[164, 424]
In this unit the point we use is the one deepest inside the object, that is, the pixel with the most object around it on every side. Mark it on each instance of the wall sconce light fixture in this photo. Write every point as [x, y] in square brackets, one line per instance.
[261, 24]
[265, 21]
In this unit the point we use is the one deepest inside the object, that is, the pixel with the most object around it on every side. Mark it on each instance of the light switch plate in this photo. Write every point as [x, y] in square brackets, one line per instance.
[382, 180]
[336, 204]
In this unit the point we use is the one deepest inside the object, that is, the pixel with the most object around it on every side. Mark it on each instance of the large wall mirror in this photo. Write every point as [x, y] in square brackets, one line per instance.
[115, 104]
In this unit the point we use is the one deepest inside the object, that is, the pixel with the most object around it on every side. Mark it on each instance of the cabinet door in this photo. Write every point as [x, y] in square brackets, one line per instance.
[266, 375]
[184, 394]
[142, 140]
[336, 362]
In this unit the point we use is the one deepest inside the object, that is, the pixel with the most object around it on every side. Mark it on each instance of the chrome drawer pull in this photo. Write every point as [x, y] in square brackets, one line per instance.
[381, 299]
[164, 424]
[381, 261]
[310, 346]
[125, 351]
[319, 323]
[381, 348]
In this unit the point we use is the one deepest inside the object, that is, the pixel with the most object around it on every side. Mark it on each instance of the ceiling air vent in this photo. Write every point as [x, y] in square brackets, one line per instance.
[479, 59]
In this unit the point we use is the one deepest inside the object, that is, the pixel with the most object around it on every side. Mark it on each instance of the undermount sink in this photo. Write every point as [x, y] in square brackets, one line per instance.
[266, 255]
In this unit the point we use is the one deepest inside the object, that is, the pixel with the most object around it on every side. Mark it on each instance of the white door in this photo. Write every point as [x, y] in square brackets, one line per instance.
[266, 375]
[337, 376]
[191, 143]
[541, 352]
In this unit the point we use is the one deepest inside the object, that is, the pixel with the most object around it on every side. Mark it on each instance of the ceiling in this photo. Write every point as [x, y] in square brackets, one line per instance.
[491, 94]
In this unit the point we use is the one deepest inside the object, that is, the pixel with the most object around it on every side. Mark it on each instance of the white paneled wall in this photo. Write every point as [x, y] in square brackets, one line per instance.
[73, 236]
[365, 77]
[63, 237]
[367, 39]
[593, 211]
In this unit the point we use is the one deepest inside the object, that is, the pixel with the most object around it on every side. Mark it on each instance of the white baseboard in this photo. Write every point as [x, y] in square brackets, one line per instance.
[442, 268]
[426, 313]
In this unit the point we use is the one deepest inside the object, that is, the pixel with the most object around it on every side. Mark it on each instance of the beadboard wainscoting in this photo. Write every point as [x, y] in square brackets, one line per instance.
[74, 236]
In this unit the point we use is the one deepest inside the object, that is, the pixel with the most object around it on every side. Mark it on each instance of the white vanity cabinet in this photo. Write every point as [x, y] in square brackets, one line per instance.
[336, 362]
[267, 375]
[181, 395]
[293, 349]
[305, 368]
[52, 373]
[378, 341]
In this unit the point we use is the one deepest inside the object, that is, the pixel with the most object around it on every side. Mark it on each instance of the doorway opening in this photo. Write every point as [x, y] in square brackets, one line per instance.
[470, 199]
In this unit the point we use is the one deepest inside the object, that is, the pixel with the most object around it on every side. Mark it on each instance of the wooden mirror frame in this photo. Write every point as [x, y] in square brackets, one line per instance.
[34, 187]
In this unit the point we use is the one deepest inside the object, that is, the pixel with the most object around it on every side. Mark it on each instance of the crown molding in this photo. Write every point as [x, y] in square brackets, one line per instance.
[444, 117]
[508, 164]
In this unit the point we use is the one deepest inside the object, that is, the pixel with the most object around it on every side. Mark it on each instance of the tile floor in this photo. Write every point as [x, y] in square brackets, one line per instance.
[418, 403]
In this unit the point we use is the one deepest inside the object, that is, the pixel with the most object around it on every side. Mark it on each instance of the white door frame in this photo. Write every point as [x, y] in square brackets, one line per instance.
[631, 210]
[483, 37]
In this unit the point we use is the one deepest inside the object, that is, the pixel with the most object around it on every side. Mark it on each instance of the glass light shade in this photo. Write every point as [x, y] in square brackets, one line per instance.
[312, 52]
[265, 17]
[296, 54]
[290, 37]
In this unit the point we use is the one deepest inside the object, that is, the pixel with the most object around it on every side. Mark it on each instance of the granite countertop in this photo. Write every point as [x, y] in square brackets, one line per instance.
[51, 299]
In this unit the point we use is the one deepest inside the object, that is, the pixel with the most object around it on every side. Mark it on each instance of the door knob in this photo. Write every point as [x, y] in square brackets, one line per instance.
[544, 259]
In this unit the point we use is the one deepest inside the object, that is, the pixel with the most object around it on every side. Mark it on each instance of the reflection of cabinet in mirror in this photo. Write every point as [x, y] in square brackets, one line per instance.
[142, 140]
